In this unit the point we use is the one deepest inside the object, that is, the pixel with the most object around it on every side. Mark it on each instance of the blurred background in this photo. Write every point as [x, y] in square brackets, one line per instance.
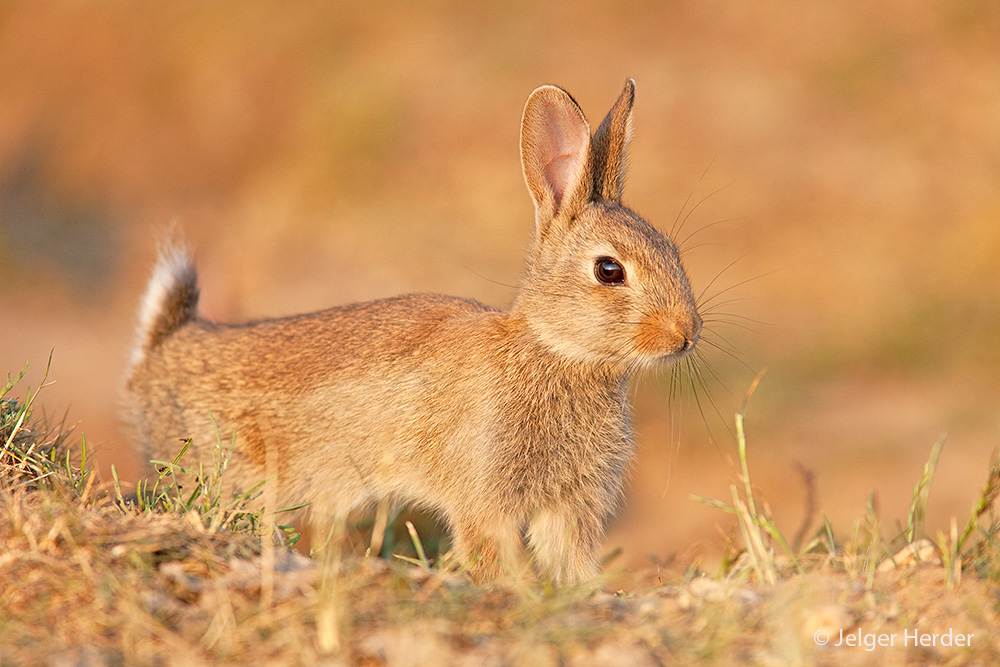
[836, 167]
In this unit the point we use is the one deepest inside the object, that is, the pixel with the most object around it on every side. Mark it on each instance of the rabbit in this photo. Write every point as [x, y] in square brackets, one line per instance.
[513, 427]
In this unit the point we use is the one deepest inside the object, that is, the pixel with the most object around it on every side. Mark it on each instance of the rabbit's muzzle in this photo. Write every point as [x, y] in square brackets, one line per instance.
[668, 335]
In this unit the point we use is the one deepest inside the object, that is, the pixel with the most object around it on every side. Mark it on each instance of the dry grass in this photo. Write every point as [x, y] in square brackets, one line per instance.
[88, 579]
[843, 153]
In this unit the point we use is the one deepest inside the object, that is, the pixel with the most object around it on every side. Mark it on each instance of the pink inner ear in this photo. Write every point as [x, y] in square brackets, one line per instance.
[565, 145]
[559, 172]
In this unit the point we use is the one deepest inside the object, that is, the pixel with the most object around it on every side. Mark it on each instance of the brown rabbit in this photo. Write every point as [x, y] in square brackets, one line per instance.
[513, 426]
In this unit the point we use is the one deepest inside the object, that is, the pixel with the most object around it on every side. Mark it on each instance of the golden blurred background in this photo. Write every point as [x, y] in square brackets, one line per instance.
[836, 166]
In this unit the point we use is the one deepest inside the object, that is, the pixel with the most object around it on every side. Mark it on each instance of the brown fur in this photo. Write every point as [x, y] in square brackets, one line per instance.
[513, 426]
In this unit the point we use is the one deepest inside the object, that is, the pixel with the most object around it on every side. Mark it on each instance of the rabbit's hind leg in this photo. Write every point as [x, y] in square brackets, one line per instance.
[492, 552]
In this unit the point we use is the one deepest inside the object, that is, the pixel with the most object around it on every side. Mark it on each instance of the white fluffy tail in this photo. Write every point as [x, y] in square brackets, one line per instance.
[170, 301]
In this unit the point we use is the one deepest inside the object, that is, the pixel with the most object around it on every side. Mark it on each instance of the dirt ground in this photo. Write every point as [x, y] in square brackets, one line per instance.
[837, 168]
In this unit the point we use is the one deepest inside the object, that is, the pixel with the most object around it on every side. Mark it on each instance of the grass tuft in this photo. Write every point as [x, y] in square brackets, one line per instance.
[35, 452]
[767, 556]
[756, 525]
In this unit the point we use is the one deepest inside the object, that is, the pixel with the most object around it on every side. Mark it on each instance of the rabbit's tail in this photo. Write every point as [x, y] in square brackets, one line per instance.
[171, 300]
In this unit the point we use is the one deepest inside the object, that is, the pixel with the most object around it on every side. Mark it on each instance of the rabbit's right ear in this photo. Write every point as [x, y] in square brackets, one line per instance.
[555, 152]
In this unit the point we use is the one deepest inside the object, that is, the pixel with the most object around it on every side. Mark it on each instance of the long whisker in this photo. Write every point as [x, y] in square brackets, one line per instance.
[692, 382]
[682, 244]
[729, 351]
[717, 320]
[698, 376]
[714, 309]
[678, 227]
[702, 303]
[678, 223]
[700, 298]
[715, 375]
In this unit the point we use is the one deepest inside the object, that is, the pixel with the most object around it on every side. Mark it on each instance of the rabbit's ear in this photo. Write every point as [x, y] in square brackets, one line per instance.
[555, 150]
[610, 146]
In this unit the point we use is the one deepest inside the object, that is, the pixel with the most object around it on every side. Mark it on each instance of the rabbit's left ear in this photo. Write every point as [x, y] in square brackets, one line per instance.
[609, 147]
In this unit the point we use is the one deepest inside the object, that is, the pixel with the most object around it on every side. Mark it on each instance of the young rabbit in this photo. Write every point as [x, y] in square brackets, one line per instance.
[513, 427]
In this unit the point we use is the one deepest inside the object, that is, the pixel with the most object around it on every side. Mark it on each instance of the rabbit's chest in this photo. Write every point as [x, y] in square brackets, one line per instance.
[555, 449]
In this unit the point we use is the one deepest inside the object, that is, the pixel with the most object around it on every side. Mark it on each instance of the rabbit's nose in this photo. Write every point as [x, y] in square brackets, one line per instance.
[691, 330]
[685, 329]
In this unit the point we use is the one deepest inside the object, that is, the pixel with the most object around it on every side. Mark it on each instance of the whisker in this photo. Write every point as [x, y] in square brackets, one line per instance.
[735, 322]
[725, 317]
[718, 318]
[490, 280]
[700, 299]
[731, 287]
[678, 227]
[722, 345]
[697, 375]
[704, 363]
[713, 309]
[707, 169]
[691, 376]
[682, 244]
[687, 250]
[729, 351]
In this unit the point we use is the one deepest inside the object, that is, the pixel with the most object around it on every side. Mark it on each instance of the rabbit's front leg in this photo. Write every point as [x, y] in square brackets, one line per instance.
[565, 543]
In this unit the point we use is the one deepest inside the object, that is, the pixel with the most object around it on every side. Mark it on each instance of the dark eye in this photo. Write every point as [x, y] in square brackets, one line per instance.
[609, 271]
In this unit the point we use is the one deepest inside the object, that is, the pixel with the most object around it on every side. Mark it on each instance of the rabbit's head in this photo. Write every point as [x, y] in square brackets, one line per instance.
[602, 285]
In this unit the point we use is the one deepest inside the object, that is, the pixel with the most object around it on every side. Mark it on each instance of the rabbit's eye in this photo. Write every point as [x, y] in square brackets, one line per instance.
[609, 271]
